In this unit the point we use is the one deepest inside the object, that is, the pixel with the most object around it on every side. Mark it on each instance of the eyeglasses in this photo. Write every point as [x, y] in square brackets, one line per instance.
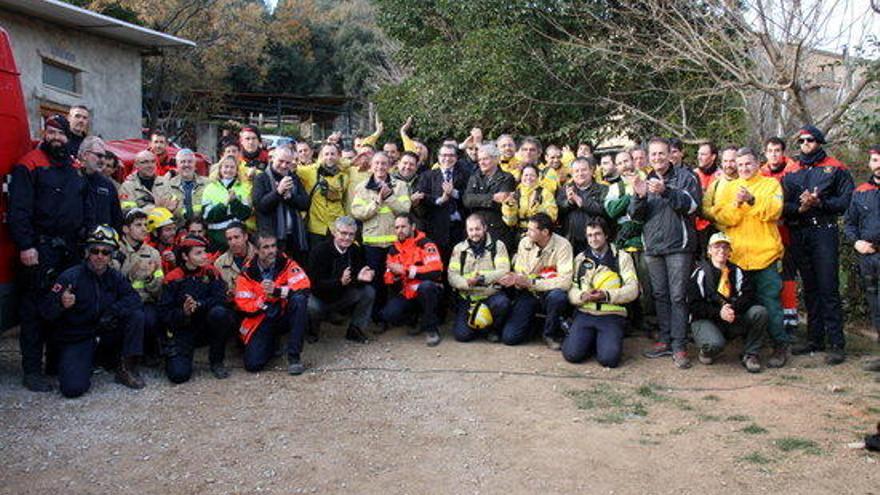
[808, 139]
[103, 252]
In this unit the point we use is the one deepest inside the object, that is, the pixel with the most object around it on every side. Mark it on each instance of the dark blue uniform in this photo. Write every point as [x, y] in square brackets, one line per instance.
[863, 224]
[107, 317]
[815, 244]
[211, 322]
[105, 201]
[49, 210]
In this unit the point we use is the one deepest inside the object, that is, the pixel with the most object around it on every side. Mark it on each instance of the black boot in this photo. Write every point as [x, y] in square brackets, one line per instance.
[127, 373]
[36, 382]
[355, 334]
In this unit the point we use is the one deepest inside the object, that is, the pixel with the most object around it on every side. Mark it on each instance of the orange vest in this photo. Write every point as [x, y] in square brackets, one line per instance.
[416, 251]
[253, 302]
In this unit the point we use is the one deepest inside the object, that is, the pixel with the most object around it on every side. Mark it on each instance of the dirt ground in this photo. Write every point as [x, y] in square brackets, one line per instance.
[396, 417]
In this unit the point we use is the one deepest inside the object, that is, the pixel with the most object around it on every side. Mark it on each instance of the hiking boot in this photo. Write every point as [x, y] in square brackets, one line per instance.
[751, 363]
[779, 357]
[552, 343]
[313, 331]
[659, 350]
[432, 338]
[127, 374]
[805, 348]
[872, 365]
[219, 371]
[355, 334]
[295, 366]
[835, 357]
[36, 382]
[380, 329]
[706, 356]
[493, 337]
[681, 360]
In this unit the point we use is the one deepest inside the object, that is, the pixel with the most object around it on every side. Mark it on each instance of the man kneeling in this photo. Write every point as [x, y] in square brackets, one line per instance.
[272, 292]
[605, 280]
[414, 267]
[721, 302]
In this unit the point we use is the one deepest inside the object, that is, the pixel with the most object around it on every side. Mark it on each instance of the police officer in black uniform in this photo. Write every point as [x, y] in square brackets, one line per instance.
[815, 197]
[95, 314]
[49, 210]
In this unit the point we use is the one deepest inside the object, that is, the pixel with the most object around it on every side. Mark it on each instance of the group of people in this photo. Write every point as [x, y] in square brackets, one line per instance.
[513, 241]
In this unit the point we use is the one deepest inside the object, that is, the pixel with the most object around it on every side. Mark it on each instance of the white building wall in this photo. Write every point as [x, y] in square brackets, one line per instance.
[109, 82]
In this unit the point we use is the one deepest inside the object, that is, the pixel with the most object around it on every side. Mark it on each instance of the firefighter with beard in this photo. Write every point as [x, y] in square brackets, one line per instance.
[49, 210]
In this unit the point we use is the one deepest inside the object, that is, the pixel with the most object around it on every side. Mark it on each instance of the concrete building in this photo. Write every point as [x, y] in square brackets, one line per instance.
[68, 55]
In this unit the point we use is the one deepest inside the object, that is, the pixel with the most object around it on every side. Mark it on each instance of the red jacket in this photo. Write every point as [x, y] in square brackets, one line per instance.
[779, 174]
[416, 251]
[251, 300]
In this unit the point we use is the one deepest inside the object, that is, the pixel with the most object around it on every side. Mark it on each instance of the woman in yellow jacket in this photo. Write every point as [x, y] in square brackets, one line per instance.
[376, 202]
[747, 210]
[530, 197]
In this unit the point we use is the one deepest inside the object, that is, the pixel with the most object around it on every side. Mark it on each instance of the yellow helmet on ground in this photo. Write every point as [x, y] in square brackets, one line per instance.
[479, 316]
[606, 279]
[158, 218]
[105, 236]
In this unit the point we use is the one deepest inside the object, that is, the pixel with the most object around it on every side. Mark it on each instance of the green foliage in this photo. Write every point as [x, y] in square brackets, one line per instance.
[789, 444]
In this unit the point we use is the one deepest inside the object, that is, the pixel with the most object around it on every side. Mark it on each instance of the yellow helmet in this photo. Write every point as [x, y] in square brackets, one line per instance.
[104, 235]
[606, 279]
[479, 316]
[158, 218]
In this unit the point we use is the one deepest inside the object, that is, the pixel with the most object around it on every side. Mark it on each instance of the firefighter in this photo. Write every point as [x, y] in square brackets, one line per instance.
[272, 293]
[96, 314]
[414, 267]
[49, 209]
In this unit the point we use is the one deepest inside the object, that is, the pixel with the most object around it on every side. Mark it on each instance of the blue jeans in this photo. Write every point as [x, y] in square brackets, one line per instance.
[670, 274]
[594, 334]
[261, 348]
[499, 306]
[425, 303]
[522, 315]
[815, 250]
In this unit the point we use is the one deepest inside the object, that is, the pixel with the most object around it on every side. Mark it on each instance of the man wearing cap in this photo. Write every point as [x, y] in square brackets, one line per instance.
[815, 197]
[49, 210]
[862, 228]
[604, 281]
[475, 266]
[748, 210]
[192, 307]
[722, 305]
[97, 317]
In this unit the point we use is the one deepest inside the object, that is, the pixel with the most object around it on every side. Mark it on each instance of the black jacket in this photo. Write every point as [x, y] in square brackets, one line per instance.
[326, 265]
[703, 298]
[862, 221]
[105, 199]
[573, 218]
[205, 285]
[108, 294]
[438, 216]
[835, 187]
[669, 217]
[267, 201]
[478, 199]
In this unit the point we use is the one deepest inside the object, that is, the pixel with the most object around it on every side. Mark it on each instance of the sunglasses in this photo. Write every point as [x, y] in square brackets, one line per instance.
[808, 139]
[103, 252]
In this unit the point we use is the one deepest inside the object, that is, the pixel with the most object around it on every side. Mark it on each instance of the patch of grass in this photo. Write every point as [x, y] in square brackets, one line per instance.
[754, 429]
[790, 444]
[873, 410]
[708, 417]
[648, 392]
[711, 398]
[611, 406]
[792, 378]
[860, 345]
[678, 431]
[739, 418]
[648, 441]
[756, 458]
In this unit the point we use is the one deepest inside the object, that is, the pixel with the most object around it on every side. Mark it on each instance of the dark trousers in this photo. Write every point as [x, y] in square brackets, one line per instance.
[212, 325]
[152, 330]
[77, 358]
[425, 303]
[293, 321]
[670, 274]
[601, 335]
[357, 300]
[815, 250]
[869, 270]
[375, 258]
[526, 305]
[711, 335]
[499, 306]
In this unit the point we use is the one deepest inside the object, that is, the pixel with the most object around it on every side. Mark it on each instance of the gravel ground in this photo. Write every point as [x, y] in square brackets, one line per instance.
[395, 417]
